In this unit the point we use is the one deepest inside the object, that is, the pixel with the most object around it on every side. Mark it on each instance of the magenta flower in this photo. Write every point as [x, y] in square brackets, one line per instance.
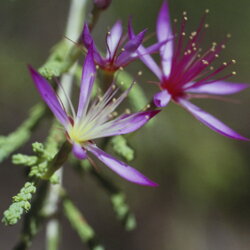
[94, 120]
[185, 73]
[121, 50]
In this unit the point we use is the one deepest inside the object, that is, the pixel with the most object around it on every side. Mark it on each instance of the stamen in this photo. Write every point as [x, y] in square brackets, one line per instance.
[207, 11]
[127, 111]
[234, 73]
[139, 73]
[233, 61]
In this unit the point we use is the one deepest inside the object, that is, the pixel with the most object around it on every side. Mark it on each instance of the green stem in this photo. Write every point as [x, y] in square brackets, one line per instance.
[117, 197]
[32, 220]
[79, 223]
[10, 143]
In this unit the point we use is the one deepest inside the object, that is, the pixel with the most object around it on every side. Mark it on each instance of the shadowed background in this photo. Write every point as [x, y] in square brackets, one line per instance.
[203, 201]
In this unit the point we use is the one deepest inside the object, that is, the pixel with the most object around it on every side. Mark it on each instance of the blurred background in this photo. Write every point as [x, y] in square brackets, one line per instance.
[203, 201]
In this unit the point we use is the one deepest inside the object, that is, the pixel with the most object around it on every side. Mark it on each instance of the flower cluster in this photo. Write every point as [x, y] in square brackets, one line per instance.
[184, 73]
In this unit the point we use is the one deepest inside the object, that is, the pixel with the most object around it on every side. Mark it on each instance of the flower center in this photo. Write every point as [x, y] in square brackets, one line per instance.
[172, 87]
[79, 134]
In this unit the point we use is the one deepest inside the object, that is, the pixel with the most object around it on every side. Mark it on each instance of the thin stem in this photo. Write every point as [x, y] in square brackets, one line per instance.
[74, 25]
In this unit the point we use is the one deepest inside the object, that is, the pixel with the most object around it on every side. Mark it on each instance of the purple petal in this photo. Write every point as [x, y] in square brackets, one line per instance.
[130, 47]
[210, 121]
[144, 56]
[161, 99]
[122, 169]
[88, 78]
[113, 38]
[164, 32]
[88, 40]
[127, 123]
[219, 88]
[48, 95]
[79, 152]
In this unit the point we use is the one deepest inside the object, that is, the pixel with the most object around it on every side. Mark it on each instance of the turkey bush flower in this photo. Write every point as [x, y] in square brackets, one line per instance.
[186, 72]
[121, 50]
[94, 120]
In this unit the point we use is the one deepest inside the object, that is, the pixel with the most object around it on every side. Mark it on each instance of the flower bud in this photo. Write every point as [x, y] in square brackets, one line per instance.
[102, 4]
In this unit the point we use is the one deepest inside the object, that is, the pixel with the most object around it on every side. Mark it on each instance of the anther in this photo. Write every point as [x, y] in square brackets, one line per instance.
[109, 33]
[216, 55]
[206, 25]
[224, 63]
[147, 116]
[128, 111]
[183, 33]
[233, 61]
[184, 13]
[223, 46]
[229, 35]
[114, 100]
[122, 82]
[175, 20]
[121, 68]
[139, 73]
[113, 87]
[234, 73]
[185, 18]
[122, 49]
[211, 68]
[97, 66]
[207, 11]
[193, 33]
[205, 62]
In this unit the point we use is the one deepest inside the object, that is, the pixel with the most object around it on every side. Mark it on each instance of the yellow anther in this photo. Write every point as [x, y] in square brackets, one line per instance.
[207, 10]
[233, 61]
[139, 73]
[205, 62]
[128, 111]
[234, 73]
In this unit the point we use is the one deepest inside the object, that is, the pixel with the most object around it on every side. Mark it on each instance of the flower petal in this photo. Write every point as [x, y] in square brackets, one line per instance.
[219, 88]
[164, 32]
[113, 39]
[88, 40]
[125, 124]
[161, 99]
[121, 168]
[210, 121]
[49, 96]
[130, 47]
[88, 78]
[79, 152]
[144, 55]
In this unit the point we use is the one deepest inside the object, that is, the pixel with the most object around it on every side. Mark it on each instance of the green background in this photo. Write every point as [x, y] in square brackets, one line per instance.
[203, 201]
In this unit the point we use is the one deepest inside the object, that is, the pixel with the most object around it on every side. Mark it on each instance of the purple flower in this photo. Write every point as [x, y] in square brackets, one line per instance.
[94, 120]
[121, 50]
[187, 73]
